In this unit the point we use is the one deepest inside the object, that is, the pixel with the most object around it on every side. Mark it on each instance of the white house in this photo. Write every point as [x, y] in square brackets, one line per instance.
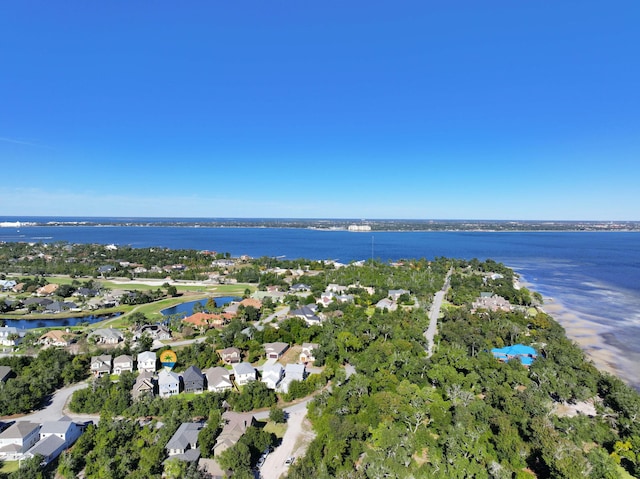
[10, 336]
[101, 365]
[55, 437]
[122, 363]
[218, 379]
[307, 354]
[243, 373]
[147, 361]
[272, 374]
[18, 439]
[168, 383]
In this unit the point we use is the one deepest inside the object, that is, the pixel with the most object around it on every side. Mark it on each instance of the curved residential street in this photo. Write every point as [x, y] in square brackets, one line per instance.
[56, 408]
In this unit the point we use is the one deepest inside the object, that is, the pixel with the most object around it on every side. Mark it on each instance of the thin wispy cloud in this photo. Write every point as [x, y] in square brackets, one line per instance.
[19, 141]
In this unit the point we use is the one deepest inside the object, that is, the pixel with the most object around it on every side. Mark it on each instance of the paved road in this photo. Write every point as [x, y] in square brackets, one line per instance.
[430, 333]
[56, 407]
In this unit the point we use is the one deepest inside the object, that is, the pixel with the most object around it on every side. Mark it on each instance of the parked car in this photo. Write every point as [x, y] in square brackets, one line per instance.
[290, 460]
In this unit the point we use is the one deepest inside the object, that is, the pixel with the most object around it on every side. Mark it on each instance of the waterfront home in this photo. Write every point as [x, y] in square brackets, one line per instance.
[244, 373]
[204, 321]
[155, 331]
[168, 383]
[18, 439]
[525, 354]
[145, 385]
[275, 350]
[193, 380]
[147, 361]
[183, 444]
[101, 365]
[272, 374]
[10, 336]
[490, 302]
[230, 355]
[55, 337]
[122, 363]
[218, 379]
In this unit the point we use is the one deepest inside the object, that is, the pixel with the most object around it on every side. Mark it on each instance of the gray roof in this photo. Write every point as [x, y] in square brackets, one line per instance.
[56, 427]
[243, 368]
[123, 358]
[47, 446]
[186, 436]
[4, 372]
[19, 430]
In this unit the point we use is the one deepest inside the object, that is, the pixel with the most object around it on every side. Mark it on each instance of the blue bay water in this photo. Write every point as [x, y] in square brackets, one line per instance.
[593, 276]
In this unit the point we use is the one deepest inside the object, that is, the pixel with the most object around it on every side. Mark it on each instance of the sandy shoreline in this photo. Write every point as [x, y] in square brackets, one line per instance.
[588, 335]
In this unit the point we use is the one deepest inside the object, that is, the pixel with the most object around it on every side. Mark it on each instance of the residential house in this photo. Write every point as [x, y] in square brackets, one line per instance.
[7, 284]
[326, 298]
[394, 294]
[193, 380]
[235, 425]
[168, 383]
[307, 354]
[122, 363]
[308, 314]
[18, 439]
[218, 379]
[106, 336]
[299, 288]
[60, 306]
[37, 303]
[230, 355]
[11, 336]
[183, 444]
[55, 337]
[55, 437]
[155, 331]
[101, 365]
[253, 302]
[5, 374]
[145, 385]
[491, 302]
[336, 288]
[47, 289]
[147, 361]
[292, 372]
[272, 374]
[275, 350]
[244, 373]
[204, 321]
[386, 303]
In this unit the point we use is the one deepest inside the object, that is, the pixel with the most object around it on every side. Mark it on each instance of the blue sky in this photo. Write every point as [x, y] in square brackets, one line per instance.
[425, 110]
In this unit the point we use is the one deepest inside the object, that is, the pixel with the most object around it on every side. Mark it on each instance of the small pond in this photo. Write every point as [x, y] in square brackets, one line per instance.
[186, 309]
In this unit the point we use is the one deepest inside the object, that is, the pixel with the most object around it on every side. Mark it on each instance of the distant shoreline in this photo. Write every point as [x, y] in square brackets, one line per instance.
[376, 226]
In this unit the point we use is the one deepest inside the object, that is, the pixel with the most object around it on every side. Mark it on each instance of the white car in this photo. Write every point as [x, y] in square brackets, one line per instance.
[290, 460]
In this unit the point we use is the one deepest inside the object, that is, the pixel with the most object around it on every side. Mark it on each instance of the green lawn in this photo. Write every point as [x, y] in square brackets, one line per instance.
[9, 466]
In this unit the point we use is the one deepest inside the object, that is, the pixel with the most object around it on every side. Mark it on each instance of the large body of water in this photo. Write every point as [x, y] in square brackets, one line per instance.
[591, 279]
